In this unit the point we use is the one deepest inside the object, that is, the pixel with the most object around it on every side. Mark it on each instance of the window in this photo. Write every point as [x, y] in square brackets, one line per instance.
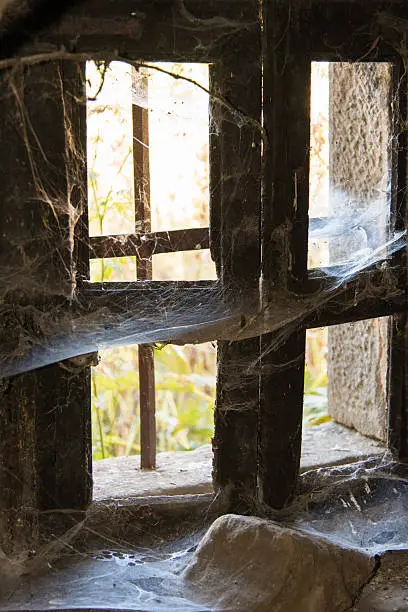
[260, 81]
[350, 218]
[148, 192]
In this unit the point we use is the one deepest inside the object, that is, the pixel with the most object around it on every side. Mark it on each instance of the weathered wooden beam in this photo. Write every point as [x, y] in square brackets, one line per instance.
[41, 196]
[398, 350]
[109, 314]
[377, 291]
[350, 30]
[145, 245]
[398, 384]
[165, 30]
[341, 310]
[287, 74]
[72, 386]
[173, 31]
[235, 206]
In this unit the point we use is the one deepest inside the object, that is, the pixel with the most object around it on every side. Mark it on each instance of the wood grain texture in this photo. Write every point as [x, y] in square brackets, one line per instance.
[235, 235]
[46, 414]
[287, 74]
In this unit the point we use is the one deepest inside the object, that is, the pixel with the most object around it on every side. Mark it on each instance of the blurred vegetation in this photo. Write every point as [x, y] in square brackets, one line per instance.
[185, 391]
[185, 376]
[315, 390]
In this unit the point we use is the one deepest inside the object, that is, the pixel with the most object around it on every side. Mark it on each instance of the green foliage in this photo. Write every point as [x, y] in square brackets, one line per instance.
[315, 400]
[315, 381]
[185, 391]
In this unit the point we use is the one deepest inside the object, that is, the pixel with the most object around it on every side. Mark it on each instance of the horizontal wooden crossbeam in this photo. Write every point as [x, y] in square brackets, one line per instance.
[145, 245]
[367, 296]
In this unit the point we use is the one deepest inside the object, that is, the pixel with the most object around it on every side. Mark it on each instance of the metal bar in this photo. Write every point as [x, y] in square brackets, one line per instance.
[145, 245]
[147, 395]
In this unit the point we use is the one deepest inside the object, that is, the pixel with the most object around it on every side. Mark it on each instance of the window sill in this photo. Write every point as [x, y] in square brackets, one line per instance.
[189, 472]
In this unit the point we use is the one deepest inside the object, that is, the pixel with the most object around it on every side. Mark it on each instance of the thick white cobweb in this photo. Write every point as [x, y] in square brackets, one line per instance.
[359, 507]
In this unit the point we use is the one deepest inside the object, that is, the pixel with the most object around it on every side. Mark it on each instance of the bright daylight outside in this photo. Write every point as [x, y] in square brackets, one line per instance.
[178, 198]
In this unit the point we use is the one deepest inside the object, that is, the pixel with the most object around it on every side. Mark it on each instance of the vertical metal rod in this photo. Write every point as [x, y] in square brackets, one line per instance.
[147, 397]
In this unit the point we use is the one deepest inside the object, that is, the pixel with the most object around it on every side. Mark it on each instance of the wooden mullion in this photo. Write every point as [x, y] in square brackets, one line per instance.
[215, 118]
[147, 393]
[398, 384]
[74, 426]
[287, 74]
[48, 409]
[235, 243]
[398, 349]
[64, 464]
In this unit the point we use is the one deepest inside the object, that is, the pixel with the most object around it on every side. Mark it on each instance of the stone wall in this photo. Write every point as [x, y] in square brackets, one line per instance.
[360, 129]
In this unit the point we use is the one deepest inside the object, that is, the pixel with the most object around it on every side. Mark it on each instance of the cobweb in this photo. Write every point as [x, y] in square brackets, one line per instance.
[358, 507]
[48, 317]
[51, 313]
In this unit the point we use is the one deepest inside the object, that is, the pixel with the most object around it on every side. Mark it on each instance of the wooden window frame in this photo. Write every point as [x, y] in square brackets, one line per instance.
[256, 448]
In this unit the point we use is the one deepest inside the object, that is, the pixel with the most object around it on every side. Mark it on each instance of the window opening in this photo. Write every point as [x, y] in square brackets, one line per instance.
[319, 179]
[148, 171]
[350, 171]
[148, 186]
[315, 403]
[184, 265]
[184, 397]
[350, 211]
[345, 405]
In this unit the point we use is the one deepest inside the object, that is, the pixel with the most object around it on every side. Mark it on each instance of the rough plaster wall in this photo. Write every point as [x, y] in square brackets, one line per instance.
[360, 128]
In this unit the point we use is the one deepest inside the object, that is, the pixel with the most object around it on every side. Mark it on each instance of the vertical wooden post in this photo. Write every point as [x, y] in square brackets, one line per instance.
[397, 435]
[235, 242]
[45, 414]
[398, 385]
[74, 426]
[287, 75]
[147, 394]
